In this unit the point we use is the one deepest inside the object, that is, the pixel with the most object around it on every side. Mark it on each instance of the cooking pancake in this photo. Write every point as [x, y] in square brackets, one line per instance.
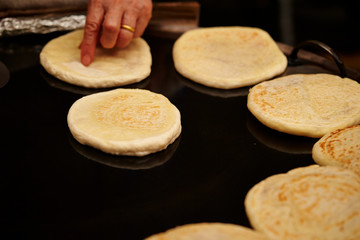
[111, 67]
[339, 148]
[228, 57]
[308, 105]
[307, 203]
[209, 231]
[131, 122]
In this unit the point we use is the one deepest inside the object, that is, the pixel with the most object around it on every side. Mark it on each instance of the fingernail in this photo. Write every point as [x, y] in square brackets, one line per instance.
[86, 60]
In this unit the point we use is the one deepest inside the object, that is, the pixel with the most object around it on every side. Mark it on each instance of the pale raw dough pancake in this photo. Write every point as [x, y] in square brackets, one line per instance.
[131, 122]
[228, 57]
[308, 203]
[306, 105]
[209, 231]
[111, 67]
[339, 148]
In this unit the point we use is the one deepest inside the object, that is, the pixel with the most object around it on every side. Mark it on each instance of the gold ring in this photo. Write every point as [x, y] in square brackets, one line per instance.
[127, 27]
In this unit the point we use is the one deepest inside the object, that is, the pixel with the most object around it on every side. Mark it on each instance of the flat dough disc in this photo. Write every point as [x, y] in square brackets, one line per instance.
[131, 122]
[307, 203]
[306, 105]
[228, 57]
[339, 148]
[111, 67]
[209, 231]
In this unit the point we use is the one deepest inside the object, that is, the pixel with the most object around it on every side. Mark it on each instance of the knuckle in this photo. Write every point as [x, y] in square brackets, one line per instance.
[92, 27]
[137, 5]
[110, 27]
[143, 7]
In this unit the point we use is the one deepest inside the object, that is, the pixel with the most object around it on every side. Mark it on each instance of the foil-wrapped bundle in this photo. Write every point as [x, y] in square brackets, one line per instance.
[12, 26]
[40, 16]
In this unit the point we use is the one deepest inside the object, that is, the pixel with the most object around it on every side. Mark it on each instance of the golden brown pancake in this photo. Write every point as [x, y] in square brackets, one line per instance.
[308, 105]
[131, 122]
[307, 203]
[339, 148]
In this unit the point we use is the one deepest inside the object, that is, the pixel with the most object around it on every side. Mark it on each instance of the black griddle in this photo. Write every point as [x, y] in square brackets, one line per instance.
[52, 187]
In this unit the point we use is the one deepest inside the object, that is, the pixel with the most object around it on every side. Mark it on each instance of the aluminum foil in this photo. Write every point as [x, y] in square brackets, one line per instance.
[12, 26]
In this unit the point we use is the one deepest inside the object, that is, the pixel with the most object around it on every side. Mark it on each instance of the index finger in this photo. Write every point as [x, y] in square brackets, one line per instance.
[92, 27]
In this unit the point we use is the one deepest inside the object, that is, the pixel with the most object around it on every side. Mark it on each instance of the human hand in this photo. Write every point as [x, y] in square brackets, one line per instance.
[113, 23]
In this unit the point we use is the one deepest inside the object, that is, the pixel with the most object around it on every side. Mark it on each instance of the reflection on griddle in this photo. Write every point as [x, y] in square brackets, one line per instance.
[56, 83]
[224, 93]
[125, 162]
[305, 69]
[4, 74]
[277, 140]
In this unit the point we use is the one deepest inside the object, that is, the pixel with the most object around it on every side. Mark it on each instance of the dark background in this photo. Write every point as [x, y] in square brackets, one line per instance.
[53, 188]
[332, 22]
